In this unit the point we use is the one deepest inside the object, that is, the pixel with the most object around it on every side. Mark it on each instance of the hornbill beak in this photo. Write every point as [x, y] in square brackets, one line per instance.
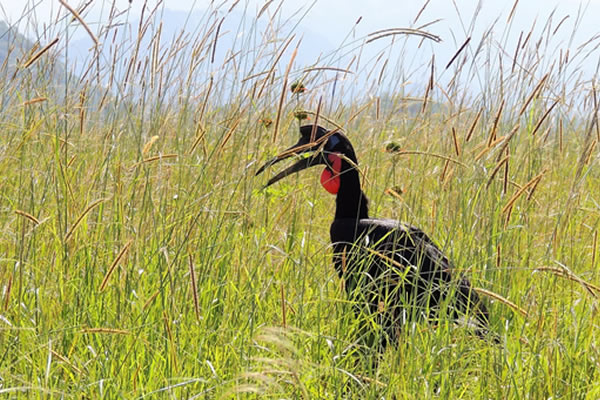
[304, 163]
[304, 145]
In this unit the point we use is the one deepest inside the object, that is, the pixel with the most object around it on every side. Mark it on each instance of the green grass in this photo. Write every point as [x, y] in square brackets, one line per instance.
[100, 234]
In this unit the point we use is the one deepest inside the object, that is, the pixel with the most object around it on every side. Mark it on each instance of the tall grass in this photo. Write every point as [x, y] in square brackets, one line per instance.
[140, 257]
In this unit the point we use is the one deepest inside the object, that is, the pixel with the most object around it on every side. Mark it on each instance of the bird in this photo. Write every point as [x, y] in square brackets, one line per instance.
[392, 271]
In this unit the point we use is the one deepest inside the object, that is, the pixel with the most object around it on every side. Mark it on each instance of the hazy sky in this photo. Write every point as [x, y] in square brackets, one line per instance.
[335, 18]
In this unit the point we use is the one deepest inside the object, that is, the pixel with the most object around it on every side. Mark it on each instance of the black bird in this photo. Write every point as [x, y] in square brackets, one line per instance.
[392, 270]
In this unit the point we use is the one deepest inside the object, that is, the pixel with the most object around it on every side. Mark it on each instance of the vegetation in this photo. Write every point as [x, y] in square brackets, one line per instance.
[140, 257]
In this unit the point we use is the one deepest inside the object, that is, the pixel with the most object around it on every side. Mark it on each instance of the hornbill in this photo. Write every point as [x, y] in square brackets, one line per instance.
[390, 269]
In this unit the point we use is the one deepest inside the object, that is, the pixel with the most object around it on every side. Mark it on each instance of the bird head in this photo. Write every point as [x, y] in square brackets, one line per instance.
[330, 148]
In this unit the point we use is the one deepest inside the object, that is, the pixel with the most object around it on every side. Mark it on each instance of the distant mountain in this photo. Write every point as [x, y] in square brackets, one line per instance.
[239, 32]
[234, 33]
[12, 45]
[46, 77]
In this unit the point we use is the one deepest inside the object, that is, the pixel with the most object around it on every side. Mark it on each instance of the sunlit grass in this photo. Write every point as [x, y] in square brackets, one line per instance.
[116, 192]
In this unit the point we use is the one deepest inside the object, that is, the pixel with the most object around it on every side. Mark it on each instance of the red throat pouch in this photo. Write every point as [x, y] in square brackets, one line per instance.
[330, 177]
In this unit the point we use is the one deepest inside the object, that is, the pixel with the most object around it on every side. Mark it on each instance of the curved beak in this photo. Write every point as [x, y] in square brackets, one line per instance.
[302, 146]
[308, 162]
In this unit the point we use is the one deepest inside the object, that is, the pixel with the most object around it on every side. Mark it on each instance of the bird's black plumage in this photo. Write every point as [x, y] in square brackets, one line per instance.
[391, 269]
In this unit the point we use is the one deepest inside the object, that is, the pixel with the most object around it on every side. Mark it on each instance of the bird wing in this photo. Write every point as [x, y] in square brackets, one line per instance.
[403, 256]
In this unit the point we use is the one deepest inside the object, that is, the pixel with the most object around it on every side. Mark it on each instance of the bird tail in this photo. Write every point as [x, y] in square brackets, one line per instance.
[470, 304]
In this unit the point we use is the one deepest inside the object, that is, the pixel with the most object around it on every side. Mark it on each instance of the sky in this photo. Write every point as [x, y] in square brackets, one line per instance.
[331, 22]
[334, 18]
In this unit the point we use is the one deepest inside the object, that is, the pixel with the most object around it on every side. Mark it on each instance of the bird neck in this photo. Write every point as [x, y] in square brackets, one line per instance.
[351, 202]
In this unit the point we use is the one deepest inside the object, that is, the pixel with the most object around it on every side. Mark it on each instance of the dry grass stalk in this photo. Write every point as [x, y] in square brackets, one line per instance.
[271, 70]
[498, 256]
[386, 258]
[106, 330]
[382, 71]
[338, 127]
[507, 217]
[66, 361]
[215, 40]
[499, 165]
[508, 138]
[133, 60]
[443, 175]
[28, 216]
[564, 272]
[408, 152]
[462, 47]
[590, 151]
[149, 144]
[114, 264]
[420, 11]
[492, 137]
[393, 193]
[401, 31]
[512, 12]
[367, 379]
[560, 135]
[82, 98]
[361, 171]
[34, 101]
[344, 269]
[283, 315]
[594, 247]
[153, 158]
[258, 74]
[448, 177]
[83, 214]
[31, 51]
[151, 299]
[456, 145]
[344, 70]
[8, 291]
[194, 288]
[297, 150]
[359, 111]
[205, 102]
[560, 24]
[200, 132]
[514, 64]
[429, 84]
[134, 380]
[519, 192]
[502, 300]
[81, 21]
[433, 215]
[284, 211]
[539, 123]
[534, 93]
[487, 147]
[595, 117]
[313, 131]
[229, 134]
[473, 125]
[535, 185]
[171, 341]
[7, 57]
[284, 92]
[527, 38]
[37, 55]
[505, 185]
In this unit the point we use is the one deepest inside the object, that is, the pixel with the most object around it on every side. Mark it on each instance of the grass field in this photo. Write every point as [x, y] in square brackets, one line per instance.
[140, 257]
